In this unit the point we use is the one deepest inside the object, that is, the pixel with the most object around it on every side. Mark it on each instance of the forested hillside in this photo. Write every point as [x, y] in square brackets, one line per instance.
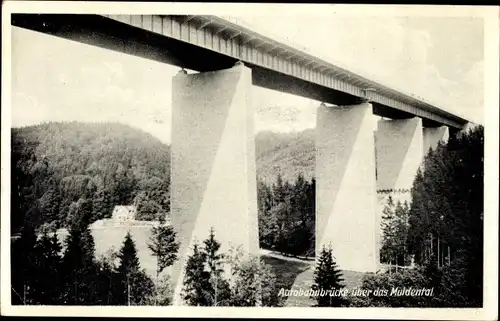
[64, 172]
[290, 154]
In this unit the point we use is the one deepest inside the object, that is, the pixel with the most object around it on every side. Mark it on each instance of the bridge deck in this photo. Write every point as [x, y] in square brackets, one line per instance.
[206, 43]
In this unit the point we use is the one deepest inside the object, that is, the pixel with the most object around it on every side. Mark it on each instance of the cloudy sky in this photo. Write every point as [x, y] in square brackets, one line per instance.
[440, 59]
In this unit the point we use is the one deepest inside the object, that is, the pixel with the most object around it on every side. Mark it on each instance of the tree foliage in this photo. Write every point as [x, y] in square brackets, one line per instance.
[446, 215]
[216, 279]
[252, 282]
[444, 230]
[45, 274]
[57, 167]
[136, 286]
[287, 216]
[196, 279]
[163, 246]
[204, 282]
[395, 233]
[327, 277]
[387, 282]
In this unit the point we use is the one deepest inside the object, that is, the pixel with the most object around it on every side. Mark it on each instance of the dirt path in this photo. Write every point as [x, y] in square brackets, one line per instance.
[286, 258]
[301, 276]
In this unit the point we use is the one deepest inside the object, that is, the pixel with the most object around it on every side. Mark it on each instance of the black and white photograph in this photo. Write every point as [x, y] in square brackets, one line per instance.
[206, 157]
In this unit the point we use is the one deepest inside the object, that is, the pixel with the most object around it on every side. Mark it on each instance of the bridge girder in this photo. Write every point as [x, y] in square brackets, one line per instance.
[215, 43]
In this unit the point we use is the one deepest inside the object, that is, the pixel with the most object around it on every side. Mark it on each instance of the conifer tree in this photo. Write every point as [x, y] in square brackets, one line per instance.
[163, 246]
[22, 266]
[79, 267]
[129, 262]
[136, 285]
[327, 276]
[204, 283]
[196, 279]
[47, 280]
[101, 204]
[447, 209]
[219, 292]
[394, 233]
[50, 202]
[108, 281]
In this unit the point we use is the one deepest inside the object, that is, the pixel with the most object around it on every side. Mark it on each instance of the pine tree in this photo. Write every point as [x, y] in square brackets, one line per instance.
[101, 205]
[163, 246]
[47, 282]
[219, 292]
[50, 202]
[129, 262]
[108, 280]
[279, 189]
[401, 233]
[394, 233]
[136, 285]
[23, 269]
[196, 279]
[204, 284]
[327, 277]
[79, 268]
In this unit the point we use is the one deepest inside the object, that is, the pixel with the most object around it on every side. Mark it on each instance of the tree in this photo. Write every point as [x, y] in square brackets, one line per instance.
[163, 246]
[446, 216]
[79, 267]
[80, 214]
[136, 285]
[47, 282]
[126, 186]
[204, 283]
[50, 202]
[218, 291]
[287, 216]
[327, 277]
[22, 265]
[394, 233]
[163, 294]
[252, 282]
[108, 280]
[409, 278]
[102, 206]
[196, 279]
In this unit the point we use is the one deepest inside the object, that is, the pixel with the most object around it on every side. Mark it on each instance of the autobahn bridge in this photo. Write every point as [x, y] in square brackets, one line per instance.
[213, 181]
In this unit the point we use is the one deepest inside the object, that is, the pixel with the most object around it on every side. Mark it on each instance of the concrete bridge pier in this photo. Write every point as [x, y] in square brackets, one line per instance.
[213, 180]
[346, 216]
[434, 135]
[400, 151]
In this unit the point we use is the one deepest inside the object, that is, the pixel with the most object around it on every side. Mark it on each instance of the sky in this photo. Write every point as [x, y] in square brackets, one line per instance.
[438, 58]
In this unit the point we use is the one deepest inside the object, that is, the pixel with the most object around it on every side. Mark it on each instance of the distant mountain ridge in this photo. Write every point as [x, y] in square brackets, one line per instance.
[286, 153]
